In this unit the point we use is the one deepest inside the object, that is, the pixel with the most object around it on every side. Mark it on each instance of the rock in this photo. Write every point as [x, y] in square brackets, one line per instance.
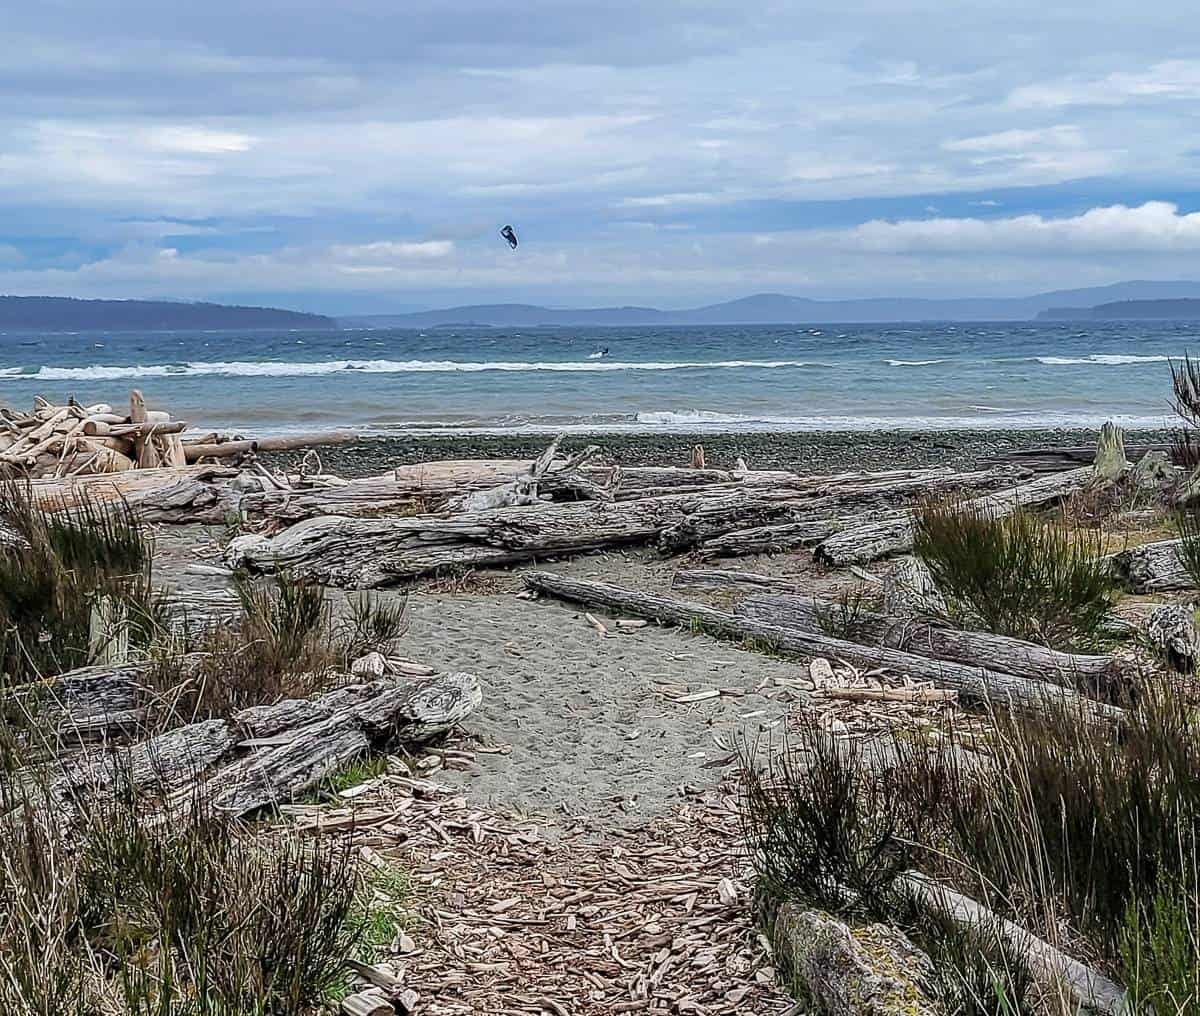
[1110, 461]
[868, 971]
[910, 591]
[1171, 629]
[1154, 471]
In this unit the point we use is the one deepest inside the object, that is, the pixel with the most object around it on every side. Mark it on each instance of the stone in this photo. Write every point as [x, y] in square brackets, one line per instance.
[866, 971]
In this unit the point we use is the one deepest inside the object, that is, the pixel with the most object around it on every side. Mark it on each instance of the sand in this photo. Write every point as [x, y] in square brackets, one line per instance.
[588, 726]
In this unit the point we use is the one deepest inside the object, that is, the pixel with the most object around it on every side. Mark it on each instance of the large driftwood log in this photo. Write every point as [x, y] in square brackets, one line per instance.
[872, 970]
[1055, 972]
[895, 536]
[913, 635]
[1153, 567]
[367, 553]
[271, 754]
[975, 683]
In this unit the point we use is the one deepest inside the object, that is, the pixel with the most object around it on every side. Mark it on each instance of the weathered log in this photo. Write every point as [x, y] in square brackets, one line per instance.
[923, 638]
[224, 450]
[895, 536]
[306, 743]
[365, 553]
[909, 590]
[1153, 567]
[777, 538]
[1053, 971]
[872, 970]
[1171, 630]
[717, 578]
[974, 683]
[188, 500]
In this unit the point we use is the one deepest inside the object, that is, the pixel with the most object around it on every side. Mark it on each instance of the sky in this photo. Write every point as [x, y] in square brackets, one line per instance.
[361, 156]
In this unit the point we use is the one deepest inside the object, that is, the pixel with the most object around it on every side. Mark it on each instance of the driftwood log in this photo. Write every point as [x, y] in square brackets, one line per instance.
[923, 638]
[270, 754]
[874, 540]
[719, 578]
[975, 683]
[1055, 972]
[367, 553]
[1153, 567]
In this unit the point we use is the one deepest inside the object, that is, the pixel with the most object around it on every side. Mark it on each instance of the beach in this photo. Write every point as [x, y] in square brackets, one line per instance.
[807, 452]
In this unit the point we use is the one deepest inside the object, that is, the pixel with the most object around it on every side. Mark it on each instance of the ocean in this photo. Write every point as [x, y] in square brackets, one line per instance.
[489, 380]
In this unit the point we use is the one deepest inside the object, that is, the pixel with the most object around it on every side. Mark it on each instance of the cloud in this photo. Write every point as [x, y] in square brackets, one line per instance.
[1156, 226]
[1061, 136]
[1171, 79]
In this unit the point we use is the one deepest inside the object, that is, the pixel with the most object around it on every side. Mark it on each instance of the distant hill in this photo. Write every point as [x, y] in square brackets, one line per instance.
[778, 308]
[1163, 310]
[62, 314]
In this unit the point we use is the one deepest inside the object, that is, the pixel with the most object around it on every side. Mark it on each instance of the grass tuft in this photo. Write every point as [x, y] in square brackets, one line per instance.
[1017, 575]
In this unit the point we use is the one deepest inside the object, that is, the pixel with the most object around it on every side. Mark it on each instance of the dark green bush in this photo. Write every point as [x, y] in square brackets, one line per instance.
[1016, 575]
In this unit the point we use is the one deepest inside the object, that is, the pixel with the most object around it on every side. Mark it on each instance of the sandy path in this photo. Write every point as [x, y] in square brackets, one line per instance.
[592, 722]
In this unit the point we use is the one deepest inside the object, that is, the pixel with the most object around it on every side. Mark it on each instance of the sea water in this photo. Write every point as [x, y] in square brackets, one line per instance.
[821, 377]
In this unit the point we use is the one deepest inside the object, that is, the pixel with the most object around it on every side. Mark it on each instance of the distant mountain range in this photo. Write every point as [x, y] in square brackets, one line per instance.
[1144, 300]
[776, 308]
[1161, 310]
[61, 314]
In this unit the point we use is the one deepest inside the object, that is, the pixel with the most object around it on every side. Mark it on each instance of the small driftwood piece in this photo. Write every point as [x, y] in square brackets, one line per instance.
[975, 683]
[874, 540]
[1153, 567]
[925, 638]
[1055, 972]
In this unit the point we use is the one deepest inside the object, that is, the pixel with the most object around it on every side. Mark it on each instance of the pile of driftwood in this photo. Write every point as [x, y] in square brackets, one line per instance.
[78, 440]
[72, 440]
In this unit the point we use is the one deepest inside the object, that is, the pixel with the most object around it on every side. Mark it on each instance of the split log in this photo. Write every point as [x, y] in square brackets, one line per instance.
[867, 971]
[975, 683]
[776, 538]
[366, 553]
[923, 638]
[895, 536]
[307, 741]
[1052, 970]
[1153, 567]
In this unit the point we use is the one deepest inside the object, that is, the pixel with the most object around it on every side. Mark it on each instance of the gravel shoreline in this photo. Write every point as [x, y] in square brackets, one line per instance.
[827, 451]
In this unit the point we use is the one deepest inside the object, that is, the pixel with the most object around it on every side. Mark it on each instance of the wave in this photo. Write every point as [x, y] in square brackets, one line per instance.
[711, 422]
[277, 368]
[913, 363]
[1106, 359]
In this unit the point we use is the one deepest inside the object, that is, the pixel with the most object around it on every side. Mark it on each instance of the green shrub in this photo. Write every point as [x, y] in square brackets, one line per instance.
[1016, 575]
[55, 567]
[177, 914]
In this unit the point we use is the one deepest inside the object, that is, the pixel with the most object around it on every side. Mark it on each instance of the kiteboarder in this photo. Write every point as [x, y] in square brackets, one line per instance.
[510, 235]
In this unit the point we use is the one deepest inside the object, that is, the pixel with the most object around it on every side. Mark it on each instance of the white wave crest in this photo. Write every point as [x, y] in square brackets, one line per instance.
[1106, 359]
[276, 368]
[913, 363]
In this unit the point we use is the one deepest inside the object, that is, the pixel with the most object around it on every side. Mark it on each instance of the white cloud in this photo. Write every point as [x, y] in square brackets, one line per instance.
[1156, 226]
[1060, 136]
[1170, 79]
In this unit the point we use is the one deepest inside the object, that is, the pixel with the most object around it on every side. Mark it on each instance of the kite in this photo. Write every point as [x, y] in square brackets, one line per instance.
[510, 235]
